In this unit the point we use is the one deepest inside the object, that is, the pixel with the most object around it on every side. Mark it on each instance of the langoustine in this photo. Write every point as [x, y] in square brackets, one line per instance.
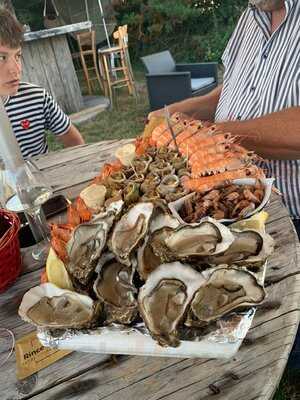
[207, 183]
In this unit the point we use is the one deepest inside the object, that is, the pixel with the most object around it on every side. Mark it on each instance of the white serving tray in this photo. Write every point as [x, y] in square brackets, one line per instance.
[175, 206]
[223, 343]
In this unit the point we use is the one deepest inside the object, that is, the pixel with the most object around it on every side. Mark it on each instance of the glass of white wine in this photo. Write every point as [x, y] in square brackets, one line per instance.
[25, 191]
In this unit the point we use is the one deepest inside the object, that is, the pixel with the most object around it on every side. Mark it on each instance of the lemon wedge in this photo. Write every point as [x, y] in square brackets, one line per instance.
[257, 222]
[56, 272]
[94, 196]
[126, 154]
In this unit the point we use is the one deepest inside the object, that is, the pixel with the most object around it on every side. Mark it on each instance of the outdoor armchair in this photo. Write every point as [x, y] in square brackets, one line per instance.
[168, 82]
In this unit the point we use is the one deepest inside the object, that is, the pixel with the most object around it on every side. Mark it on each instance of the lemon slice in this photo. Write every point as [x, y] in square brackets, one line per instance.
[94, 196]
[56, 272]
[257, 222]
[126, 154]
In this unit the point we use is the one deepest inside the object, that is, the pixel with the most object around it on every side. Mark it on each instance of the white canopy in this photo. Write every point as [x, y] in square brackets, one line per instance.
[99, 12]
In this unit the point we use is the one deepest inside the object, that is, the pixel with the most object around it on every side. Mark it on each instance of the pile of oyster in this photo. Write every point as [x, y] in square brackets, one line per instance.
[142, 265]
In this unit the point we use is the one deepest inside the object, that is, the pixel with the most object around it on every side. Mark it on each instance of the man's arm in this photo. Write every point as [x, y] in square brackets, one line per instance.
[202, 107]
[273, 136]
[71, 138]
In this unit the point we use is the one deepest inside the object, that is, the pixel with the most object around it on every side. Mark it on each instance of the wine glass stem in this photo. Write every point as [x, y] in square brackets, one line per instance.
[38, 224]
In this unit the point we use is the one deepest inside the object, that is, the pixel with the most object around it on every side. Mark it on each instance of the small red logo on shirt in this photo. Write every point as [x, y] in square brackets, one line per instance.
[25, 124]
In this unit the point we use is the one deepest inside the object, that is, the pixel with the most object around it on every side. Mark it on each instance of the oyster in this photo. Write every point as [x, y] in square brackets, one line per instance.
[130, 230]
[51, 307]
[147, 260]
[250, 248]
[114, 286]
[162, 220]
[206, 238]
[164, 299]
[87, 242]
[225, 290]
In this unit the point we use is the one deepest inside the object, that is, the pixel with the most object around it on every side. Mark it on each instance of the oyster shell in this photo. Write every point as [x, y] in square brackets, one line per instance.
[250, 248]
[225, 290]
[87, 242]
[147, 260]
[114, 286]
[164, 299]
[48, 306]
[206, 238]
[130, 230]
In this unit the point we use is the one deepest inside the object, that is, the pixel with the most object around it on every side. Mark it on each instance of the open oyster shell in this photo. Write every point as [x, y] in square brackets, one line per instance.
[225, 290]
[130, 230]
[87, 243]
[114, 286]
[147, 260]
[48, 306]
[206, 238]
[164, 299]
[250, 248]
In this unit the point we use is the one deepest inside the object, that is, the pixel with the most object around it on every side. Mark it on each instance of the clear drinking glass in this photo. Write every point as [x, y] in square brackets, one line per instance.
[7, 344]
[25, 190]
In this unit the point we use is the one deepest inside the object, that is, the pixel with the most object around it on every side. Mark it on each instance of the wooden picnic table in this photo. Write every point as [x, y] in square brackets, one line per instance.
[254, 373]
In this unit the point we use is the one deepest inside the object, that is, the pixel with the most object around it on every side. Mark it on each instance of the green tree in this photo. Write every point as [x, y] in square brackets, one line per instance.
[193, 30]
[30, 12]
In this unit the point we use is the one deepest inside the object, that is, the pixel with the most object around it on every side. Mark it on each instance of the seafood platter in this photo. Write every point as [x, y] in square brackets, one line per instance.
[145, 263]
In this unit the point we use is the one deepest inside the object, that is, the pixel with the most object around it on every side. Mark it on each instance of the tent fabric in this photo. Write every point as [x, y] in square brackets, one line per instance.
[73, 11]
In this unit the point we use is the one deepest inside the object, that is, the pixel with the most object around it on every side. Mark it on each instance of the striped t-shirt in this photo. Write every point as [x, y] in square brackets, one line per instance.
[262, 76]
[32, 111]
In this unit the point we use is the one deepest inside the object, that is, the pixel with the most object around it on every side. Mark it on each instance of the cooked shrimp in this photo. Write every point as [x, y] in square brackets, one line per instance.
[190, 146]
[209, 182]
[225, 164]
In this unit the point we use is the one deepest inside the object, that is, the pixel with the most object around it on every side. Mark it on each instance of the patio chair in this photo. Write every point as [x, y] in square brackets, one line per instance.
[168, 82]
[88, 57]
[117, 76]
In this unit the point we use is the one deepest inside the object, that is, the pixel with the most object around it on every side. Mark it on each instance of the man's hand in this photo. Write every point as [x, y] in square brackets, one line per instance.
[71, 138]
[202, 107]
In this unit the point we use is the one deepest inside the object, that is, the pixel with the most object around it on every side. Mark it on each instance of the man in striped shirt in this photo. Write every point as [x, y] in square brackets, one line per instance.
[31, 110]
[260, 96]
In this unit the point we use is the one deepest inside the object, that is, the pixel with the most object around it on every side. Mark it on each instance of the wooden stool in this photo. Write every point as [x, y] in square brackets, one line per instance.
[111, 73]
[87, 49]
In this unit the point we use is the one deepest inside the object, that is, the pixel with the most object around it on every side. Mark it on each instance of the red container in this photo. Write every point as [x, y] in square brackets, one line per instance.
[10, 257]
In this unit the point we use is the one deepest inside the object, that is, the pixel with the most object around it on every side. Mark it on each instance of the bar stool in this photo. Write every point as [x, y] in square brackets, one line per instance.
[87, 53]
[117, 76]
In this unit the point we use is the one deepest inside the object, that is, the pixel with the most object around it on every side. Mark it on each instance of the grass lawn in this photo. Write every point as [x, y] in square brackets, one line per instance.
[125, 121]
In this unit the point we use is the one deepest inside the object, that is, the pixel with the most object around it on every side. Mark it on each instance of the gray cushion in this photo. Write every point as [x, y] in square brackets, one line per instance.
[199, 83]
[159, 63]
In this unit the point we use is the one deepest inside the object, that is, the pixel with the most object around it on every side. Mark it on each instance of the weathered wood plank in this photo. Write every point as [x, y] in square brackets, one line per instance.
[66, 71]
[61, 30]
[48, 63]
[86, 151]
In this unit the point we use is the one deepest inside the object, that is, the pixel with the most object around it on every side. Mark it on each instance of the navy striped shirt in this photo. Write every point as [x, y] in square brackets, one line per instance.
[32, 111]
[262, 76]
